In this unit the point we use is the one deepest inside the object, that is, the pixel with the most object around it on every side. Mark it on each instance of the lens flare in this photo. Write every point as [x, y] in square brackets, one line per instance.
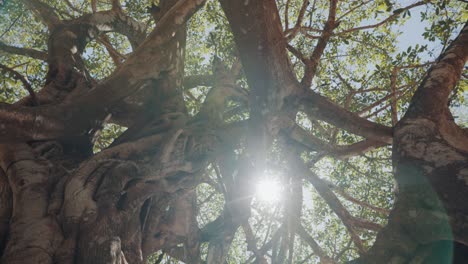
[268, 190]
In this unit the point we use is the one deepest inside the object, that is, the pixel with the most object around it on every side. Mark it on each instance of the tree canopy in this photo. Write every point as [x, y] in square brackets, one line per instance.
[233, 131]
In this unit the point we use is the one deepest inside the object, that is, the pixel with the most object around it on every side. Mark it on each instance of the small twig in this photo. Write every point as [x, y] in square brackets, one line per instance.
[18, 76]
[392, 17]
[353, 9]
[291, 33]
[350, 198]
[286, 15]
[116, 57]
[297, 53]
[94, 6]
[400, 94]
[11, 25]
[160, 258]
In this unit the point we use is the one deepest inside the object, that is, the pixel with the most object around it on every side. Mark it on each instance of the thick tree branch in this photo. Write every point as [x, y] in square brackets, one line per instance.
[366, 224]
[116, 21]
[319, 107]
[358, 148]
[314, 60]
[431, 98]
[27, 123]
[44, 12]
[149, 60]
[337, 207]
[259, 37]
[30, 179]
[316, 248]
[349, 221]
[432, 95]
[36, 54]
[198, 80]
[313, 143]
[223, 88]
[145, 63]
[258, 34]
[252, 243]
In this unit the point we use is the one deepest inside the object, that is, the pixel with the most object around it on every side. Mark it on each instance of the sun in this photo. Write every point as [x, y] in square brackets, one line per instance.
[268, 190]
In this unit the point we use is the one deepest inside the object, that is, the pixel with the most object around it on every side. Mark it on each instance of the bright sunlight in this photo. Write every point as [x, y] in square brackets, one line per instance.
[268, 190]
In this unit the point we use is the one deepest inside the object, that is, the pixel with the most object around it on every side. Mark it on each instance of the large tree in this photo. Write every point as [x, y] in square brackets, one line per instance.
[138, 131]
